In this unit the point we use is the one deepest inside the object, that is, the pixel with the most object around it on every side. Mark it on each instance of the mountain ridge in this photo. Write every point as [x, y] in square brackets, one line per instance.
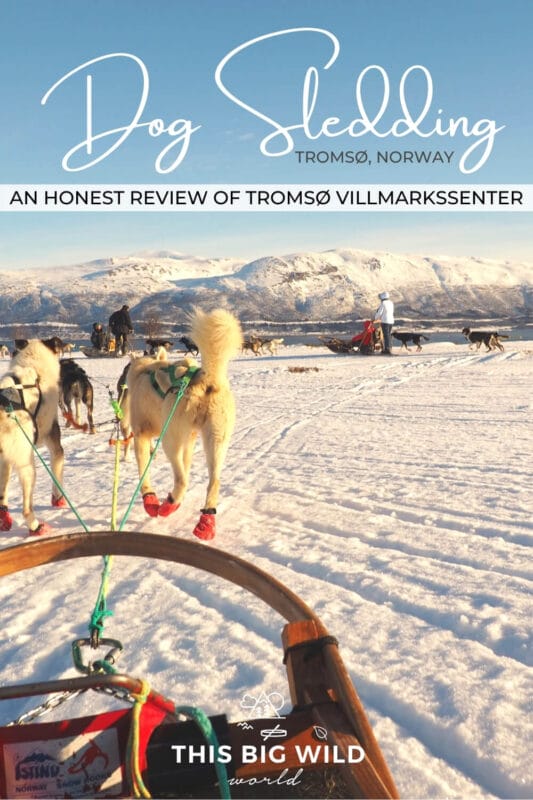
[332, 284]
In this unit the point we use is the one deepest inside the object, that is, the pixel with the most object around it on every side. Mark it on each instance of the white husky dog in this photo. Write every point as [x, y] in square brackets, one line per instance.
[207, 406]
[29, 392]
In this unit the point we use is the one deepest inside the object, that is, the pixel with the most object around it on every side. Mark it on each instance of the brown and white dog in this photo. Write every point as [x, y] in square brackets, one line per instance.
[271, 345]
[253, 344]
[29, 395]
[206, 407]
[258, 344]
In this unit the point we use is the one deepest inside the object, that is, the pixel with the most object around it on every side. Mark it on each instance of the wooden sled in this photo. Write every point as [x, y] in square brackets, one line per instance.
[327, 715]
[93, 352]
[338, 345]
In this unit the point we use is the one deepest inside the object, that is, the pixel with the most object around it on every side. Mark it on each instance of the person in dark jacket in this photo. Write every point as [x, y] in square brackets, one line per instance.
[98, 336]
[121, 326]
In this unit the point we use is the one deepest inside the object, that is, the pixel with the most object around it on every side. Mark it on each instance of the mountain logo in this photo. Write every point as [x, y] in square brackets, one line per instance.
[37, 766]
[264, 705]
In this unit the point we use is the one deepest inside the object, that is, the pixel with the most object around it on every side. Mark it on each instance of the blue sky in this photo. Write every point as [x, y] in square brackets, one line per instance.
[479, 55]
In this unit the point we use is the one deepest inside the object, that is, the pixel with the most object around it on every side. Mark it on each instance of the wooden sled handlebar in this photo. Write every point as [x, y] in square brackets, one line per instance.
[318, 679]
[208, 559]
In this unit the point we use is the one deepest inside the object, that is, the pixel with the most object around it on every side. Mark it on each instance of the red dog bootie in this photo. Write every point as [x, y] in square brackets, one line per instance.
[41, 530]
[168, 507]
[151, 504]
[6, 520]
[206, 528]
[59, 502]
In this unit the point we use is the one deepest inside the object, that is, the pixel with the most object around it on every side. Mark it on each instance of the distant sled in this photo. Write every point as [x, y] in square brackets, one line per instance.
[369, 341]
[338, 345]
[93, 352]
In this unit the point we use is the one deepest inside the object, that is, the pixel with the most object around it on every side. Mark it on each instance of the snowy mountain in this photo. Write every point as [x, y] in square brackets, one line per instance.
[329, 285]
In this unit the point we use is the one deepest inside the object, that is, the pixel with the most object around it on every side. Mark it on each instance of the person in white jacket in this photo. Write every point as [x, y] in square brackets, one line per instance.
[385, 316]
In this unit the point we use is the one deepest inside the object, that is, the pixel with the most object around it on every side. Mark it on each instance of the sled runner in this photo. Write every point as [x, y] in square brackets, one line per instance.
[338, 345]
[133, 751]
[369, 341]
[93, 352]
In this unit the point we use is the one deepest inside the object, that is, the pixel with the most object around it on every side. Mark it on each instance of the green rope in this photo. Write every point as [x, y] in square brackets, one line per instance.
[114, 496]
[11, 413]
[185, 381]
[96, 625]
[208, 732]
[100, 611]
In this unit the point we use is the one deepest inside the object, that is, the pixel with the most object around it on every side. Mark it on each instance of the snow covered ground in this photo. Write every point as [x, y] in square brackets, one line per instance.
[392, 494]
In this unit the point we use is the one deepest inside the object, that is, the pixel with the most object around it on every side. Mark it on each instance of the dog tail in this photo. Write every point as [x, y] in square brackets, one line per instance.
[218, 335]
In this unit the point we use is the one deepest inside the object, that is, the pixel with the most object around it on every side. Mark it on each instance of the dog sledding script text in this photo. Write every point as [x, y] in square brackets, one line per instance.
[375, 102]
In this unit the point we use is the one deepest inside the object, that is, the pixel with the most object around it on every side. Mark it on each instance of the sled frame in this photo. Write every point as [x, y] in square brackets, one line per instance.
[319, 683]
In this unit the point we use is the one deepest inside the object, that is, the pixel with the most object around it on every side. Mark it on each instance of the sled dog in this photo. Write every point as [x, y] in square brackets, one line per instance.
[155, 344]
[29, 394]
[271, 345]
[190, 346]
[75, 388]
[252, 343]
[55, 344]
[415, 338]
[207, 407]
[257, 345]
[491, 339]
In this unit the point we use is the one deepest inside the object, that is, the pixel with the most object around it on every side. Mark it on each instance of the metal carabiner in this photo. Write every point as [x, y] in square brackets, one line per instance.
[105, 664]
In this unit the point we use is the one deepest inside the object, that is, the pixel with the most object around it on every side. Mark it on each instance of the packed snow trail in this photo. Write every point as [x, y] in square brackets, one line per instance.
[391, 494]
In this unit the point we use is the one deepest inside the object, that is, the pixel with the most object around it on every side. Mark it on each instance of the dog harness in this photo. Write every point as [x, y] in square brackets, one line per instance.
[12, 399]
[177, 382]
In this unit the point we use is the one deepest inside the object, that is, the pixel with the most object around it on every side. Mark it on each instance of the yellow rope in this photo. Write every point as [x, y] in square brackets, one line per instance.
[96, 625]
[137, 784]
[114, 497]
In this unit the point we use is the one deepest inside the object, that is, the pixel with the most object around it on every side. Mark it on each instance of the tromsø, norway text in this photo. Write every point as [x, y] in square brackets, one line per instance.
[363, 157]
[418, 115]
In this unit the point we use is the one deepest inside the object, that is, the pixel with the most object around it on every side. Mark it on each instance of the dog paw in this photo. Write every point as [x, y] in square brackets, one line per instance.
[168, 507]
[42, 529]
[206, 527]
[151, 504]
[59, 502]
[6, 520]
